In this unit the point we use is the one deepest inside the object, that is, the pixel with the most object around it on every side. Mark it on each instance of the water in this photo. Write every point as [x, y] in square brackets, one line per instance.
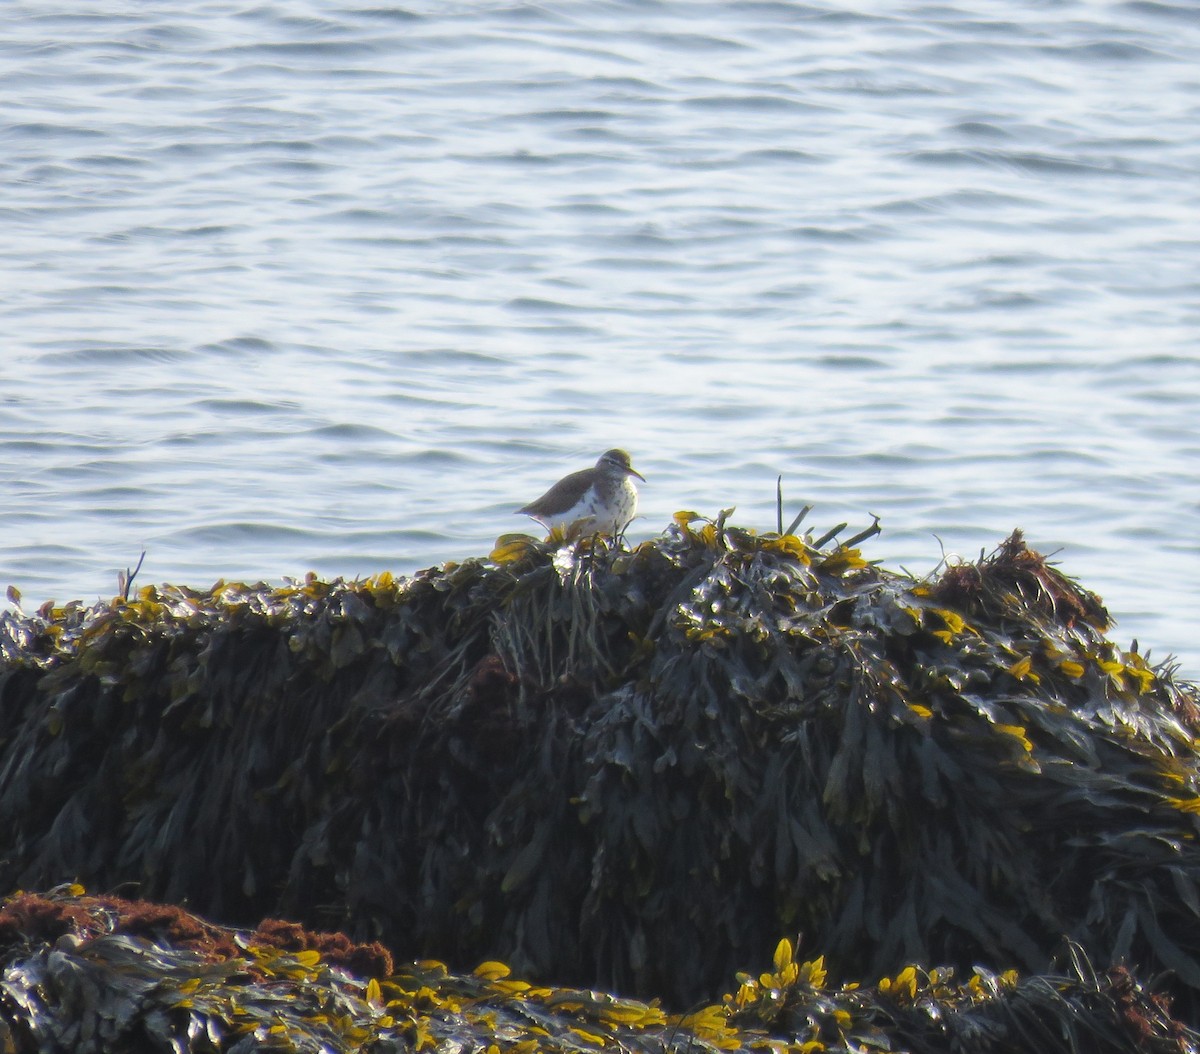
[299, 285]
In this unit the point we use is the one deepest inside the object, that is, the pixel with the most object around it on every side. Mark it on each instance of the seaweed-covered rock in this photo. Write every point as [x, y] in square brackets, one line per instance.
[626, 769]
[81, 974]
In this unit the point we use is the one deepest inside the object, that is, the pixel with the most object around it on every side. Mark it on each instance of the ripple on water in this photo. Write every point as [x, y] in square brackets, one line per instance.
[238, 408]
[94, 355]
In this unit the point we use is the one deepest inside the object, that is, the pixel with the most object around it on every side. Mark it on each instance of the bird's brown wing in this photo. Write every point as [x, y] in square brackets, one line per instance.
[565, 493]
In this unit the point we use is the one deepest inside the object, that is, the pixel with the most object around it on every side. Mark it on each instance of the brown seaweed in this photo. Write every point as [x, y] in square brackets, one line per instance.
[624, 769]
[89, 982]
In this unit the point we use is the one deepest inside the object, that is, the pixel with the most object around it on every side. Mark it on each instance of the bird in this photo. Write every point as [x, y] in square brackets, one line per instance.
[600, 500]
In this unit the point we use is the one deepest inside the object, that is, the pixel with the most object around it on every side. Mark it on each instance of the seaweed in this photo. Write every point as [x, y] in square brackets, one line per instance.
[100, 987]
[626, 769]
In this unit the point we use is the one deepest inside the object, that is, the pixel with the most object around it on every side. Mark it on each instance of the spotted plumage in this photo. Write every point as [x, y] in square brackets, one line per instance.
[599, 500]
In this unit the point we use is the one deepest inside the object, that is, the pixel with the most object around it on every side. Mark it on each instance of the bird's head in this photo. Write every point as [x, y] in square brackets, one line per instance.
[618, 463]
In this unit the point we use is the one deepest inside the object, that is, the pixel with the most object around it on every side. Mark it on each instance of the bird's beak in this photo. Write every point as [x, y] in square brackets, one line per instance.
[634, 472]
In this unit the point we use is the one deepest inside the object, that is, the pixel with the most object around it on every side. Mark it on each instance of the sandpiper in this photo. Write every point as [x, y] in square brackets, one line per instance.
[600, 500]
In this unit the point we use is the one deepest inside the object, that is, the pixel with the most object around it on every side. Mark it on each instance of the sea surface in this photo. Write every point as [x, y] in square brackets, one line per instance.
[291, 286]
